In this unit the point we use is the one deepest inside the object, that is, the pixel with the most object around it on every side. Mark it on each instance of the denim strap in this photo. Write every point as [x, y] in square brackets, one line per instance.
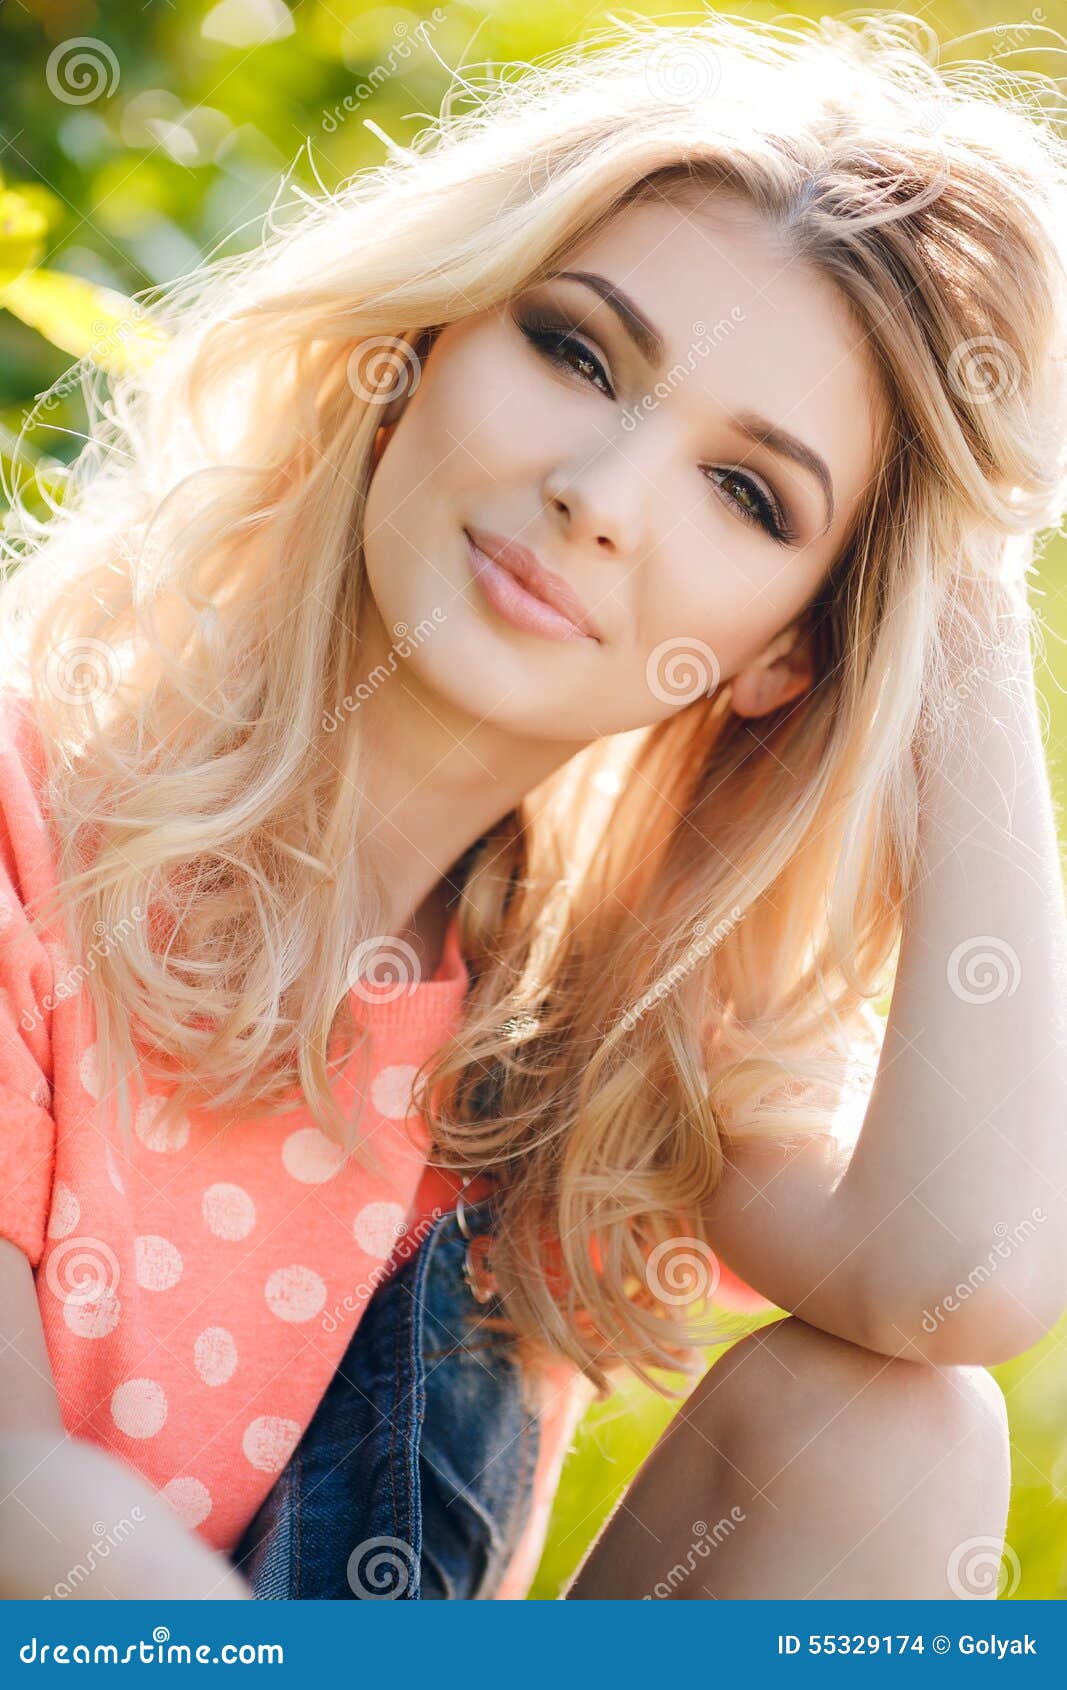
[413, 1478]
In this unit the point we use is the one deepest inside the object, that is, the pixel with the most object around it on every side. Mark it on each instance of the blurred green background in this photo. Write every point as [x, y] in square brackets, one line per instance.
[128, 157]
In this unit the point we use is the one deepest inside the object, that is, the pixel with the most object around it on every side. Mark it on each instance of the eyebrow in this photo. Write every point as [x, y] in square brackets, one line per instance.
[651, 345]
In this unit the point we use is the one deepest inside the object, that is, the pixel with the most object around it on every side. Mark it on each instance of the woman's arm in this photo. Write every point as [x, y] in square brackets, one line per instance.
[74, 1521]
[77, 1523]
[940, 1234]
[959, 1171]
[28, 1399]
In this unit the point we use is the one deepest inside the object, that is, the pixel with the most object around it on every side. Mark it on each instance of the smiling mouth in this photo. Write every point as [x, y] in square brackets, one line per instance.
[517, 603]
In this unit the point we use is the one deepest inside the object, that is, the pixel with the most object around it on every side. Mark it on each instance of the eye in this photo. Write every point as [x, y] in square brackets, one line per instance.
[563, 349]
[560, 348]
[763, 510]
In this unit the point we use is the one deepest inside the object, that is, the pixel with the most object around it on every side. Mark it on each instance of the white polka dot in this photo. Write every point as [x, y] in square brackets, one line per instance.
[89, 1071]
[112, 1171]
[190, 1500]
[157, 1262]
[66, 980]
[162, 1135]
[65, 1212]
[6, 910]
[228, 1210]
[310, 1156]
[295, 1293]
[391, 1091]
[139, 1407]
[215, 1355]
[92, 1319]
[269, 1441]
[42, 1094]
[378, 1226]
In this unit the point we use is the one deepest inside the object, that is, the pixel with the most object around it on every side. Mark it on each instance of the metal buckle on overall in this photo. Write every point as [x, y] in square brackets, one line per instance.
[476, 1270]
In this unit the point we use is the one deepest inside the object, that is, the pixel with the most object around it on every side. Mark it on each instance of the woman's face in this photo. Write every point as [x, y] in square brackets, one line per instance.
[624, 468]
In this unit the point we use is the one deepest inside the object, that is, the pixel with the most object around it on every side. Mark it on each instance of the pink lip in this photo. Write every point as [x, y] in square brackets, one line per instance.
[523, 592]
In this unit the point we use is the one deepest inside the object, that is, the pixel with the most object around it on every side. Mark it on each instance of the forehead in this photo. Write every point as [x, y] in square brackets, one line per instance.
[754, 327]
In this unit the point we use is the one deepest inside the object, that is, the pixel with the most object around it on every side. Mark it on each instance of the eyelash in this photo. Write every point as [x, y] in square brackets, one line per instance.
[555, 343]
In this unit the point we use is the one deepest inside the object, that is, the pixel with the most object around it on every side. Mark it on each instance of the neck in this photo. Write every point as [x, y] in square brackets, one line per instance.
[435, 781]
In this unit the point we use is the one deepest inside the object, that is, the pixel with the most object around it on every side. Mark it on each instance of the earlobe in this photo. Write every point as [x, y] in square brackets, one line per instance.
[394, 408]
[761, 688]
[381, 441]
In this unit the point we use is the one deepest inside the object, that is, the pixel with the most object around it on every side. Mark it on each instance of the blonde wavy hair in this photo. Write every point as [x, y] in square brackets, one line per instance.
[205, 570]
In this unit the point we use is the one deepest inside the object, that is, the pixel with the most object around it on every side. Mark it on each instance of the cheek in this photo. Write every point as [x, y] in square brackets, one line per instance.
[700, 620]
[491, 410]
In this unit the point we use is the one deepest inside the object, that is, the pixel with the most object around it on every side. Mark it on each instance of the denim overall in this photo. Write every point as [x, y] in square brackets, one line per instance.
[415, 1474]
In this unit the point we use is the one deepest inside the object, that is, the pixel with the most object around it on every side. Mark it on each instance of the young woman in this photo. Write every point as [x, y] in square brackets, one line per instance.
[543, 645]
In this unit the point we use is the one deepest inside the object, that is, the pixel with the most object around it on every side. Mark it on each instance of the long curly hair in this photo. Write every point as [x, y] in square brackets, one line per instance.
[675, 941]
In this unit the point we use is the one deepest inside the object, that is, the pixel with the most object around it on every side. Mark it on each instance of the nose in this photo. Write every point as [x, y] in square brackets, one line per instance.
[600, 504]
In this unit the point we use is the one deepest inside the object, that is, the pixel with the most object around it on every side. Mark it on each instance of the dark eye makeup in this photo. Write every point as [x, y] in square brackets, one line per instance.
[553, 338]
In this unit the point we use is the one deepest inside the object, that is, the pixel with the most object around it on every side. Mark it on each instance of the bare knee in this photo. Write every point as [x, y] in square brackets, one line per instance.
[791, 1386]
[804, 1466]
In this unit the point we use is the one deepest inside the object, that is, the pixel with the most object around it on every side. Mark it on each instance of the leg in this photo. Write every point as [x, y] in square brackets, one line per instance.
[803, 1466]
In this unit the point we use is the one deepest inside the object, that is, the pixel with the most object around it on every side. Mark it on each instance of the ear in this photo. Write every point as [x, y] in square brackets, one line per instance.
[394, 409]
[381, 441]
[782, 672]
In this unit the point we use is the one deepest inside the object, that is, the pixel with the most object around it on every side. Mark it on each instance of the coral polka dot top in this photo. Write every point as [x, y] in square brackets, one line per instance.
[198, 1292]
